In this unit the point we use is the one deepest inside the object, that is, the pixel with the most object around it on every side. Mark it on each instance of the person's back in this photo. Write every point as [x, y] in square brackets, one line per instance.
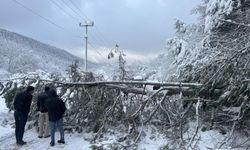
[22, 102]
[43, 113]
[41, 102]
[56, 109]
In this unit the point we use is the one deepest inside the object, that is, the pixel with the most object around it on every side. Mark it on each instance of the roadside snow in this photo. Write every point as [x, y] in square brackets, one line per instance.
[7, 136]
[6, 118]
[73, 142]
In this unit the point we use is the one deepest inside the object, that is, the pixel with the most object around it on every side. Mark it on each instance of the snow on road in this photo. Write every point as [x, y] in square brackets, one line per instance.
[8, 142]
[73, 142]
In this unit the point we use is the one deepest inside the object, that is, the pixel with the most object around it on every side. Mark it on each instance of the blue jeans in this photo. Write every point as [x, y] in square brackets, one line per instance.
[53, 126]
[20, 121]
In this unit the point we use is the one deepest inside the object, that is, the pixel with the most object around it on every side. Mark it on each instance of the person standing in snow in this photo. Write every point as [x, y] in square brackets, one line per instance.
[43, 119]
[56, 108]
[22, 104]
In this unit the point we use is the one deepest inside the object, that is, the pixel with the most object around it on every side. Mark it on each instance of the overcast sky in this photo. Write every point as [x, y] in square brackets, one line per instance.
[139, 27]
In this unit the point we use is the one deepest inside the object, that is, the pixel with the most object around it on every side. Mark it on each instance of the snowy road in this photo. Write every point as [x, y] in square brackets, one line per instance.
[8, 142]
[73, 141]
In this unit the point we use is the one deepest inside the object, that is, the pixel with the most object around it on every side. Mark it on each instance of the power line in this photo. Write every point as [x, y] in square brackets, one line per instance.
[62, 9]
[66, 4]
[95, 49]
[79, 15]
[65, 12]
[95, 38]
[102, 36]
[84, 18]
[53, 23]
[49, 21]
[44, 18]
[87, 19]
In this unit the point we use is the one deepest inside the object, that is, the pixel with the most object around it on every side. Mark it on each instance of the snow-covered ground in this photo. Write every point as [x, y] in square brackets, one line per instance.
[6, 119]
[7, 136]
[150, 139]
[74, 141]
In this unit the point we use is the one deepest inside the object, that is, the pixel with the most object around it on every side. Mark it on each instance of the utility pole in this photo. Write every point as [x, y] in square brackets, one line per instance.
[86, 25]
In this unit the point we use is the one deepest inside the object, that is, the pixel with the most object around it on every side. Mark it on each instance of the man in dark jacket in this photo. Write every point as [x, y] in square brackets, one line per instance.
[56, 108]
[22, 104]
[43, 114]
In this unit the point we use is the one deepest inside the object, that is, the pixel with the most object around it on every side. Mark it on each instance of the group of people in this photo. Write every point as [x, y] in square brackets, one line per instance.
[51, 109]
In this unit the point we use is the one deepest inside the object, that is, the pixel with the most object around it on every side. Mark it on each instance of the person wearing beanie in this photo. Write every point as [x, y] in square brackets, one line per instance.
[22, 104]
[43, 120]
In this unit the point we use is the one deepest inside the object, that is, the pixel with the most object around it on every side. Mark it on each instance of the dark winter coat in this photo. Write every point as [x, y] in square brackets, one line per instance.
[56, 107]
[41, 100]
[22, 102]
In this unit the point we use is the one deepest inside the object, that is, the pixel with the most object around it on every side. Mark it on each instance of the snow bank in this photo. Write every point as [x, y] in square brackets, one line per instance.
[6, 118]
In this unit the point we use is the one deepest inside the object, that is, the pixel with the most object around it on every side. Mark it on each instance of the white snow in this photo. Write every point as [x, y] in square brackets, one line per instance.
[7, 136]
[73, 142]
[6, 118]
[14, 47]
[210, 139]
[152, 140]
[216, 10]
[182, 51]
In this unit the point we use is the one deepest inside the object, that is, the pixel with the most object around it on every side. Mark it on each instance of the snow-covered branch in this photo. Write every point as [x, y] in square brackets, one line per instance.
[237, 23]
[133, 83]
[247, 80]
[95, 83]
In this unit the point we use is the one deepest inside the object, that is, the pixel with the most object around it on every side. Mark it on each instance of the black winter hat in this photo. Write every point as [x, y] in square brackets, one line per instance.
[47, 88]
[53, 93]
[30, 88]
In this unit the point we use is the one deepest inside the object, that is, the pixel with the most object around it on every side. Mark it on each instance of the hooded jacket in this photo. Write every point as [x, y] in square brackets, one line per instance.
[22, 102]
[55, 105]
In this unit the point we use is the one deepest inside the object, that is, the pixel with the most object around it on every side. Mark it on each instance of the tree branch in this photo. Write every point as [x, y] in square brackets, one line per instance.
[237, 23]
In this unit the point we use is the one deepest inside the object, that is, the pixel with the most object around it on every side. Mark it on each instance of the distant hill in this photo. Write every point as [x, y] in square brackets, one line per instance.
[19, 53]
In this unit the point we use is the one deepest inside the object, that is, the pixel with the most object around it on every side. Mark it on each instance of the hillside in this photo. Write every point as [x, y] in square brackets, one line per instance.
[23, 54]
